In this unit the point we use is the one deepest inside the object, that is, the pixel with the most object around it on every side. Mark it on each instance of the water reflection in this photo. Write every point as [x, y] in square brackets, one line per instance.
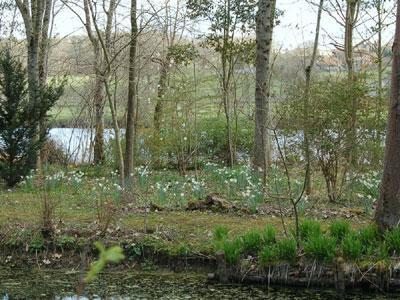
[77, 143]
[31, 284]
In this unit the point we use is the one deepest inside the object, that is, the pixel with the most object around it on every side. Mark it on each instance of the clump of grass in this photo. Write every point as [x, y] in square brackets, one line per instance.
[269, 234]
[220, 233]
[252, 241]
[267, 255]
[320, 247]
[339, 229]
[351, 247]
[368, 237]
[392, 239]
[309, 228]
[232, 250]
[286, 250]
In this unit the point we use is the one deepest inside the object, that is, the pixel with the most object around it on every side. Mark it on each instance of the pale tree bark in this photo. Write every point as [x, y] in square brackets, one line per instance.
[98, 99]
[308, 71]
[132, 97]
[36, 17]
[264, 30]
[388, 209]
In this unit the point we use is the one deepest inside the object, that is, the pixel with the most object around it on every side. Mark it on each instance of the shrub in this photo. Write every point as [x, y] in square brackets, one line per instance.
[320, 247]
[368, 237]
[232, 250]
[351, 247]
[20, 118]
[252, 241]
[220, 233]
[339, 229]
[286, 250]
[392, 239]
[269, 234]
[309, 228]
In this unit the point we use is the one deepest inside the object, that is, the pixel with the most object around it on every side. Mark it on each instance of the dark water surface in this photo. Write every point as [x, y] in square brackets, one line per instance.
[34, 284]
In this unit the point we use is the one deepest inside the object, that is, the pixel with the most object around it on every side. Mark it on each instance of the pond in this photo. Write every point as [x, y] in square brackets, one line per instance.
[35, 284]
[77, 143]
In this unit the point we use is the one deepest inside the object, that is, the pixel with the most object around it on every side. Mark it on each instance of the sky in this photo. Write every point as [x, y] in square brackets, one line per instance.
[297, 25]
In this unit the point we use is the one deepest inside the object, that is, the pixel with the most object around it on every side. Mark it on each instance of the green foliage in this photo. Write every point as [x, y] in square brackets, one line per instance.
[182, 54]
[232, 250]
[65, 242]
[331, 104]
[320, 247]
[368, 237]
[36, 242]
[339, 229]
[286, 250]
[309, 228]
[220, 233]
[269, 234]
[351, 246]
[267, 254]
[20, 119]
[392, 239]
[110, 255]
[252, 241]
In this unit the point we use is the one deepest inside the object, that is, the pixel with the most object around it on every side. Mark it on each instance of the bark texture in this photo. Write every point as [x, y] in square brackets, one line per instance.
[131, 105]
[264, 29]
[388, 209]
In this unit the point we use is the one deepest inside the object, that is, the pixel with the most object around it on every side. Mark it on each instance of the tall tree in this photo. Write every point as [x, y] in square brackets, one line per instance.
[264, 29]
[308, 70]
[171, 19]
[100, 64]
[36, 17]
[132, 94]
[388, 209]
[227, 19]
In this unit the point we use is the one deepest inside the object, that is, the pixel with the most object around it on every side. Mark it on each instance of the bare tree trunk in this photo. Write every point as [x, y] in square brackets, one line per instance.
[388, 208]
[43, 65]
[379, 52]
[308, 71]
[226, 60]
[162, 88]
[34, 18]
[131, 105]
[264, 29]
[350, 20]
[98, 102]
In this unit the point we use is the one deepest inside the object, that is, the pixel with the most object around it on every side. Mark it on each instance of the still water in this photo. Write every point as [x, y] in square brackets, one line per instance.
[77, 143]
[33, 284]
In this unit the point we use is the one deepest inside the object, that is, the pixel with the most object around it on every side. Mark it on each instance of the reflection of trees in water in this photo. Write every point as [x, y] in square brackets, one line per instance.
[78, 143]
